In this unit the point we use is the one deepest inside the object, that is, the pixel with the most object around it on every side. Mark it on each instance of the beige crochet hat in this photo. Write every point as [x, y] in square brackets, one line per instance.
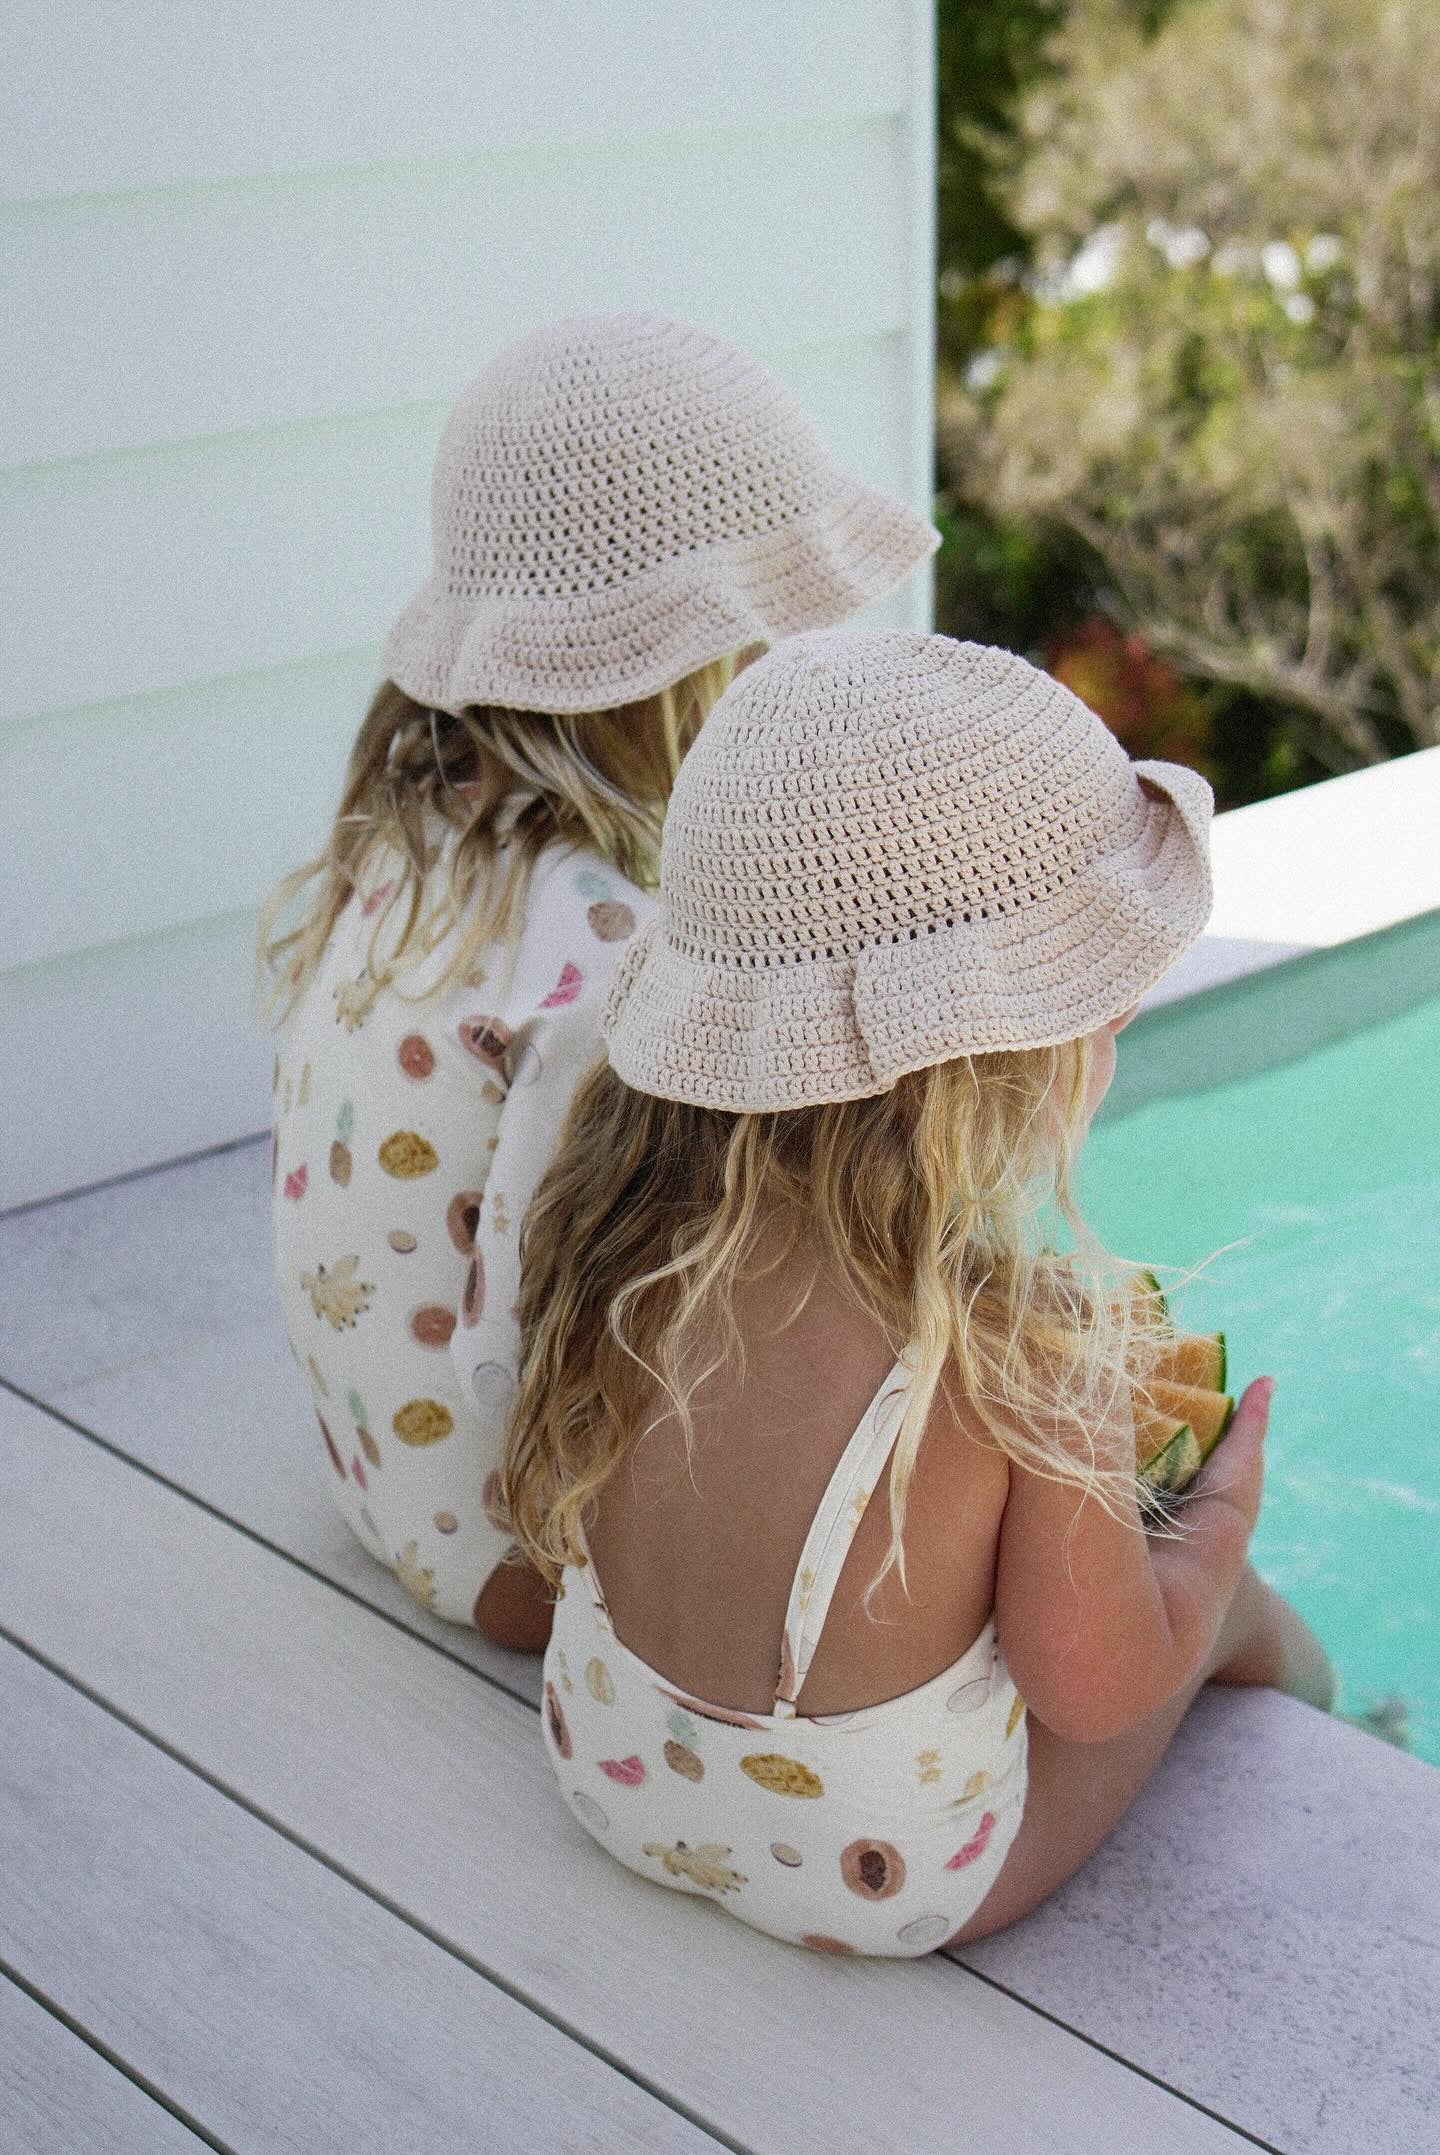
[886, 850]
[620, 498]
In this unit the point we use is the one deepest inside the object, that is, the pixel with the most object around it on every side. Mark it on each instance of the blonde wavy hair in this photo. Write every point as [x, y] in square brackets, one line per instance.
[486, 777]
[937, 1203]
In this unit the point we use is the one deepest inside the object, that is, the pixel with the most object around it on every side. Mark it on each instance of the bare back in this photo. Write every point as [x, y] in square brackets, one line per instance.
[697, 1559]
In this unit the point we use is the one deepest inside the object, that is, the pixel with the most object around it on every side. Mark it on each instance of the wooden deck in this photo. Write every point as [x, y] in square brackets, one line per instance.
[284, 1869]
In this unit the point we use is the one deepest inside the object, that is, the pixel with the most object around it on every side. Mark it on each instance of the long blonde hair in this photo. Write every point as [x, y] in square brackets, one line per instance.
[936, 1203]
[491, 777]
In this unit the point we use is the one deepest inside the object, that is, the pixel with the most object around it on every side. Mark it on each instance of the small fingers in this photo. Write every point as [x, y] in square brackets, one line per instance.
[1235, 1469]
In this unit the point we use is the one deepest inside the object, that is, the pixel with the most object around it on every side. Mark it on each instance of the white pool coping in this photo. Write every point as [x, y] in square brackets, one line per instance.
[1314, 868]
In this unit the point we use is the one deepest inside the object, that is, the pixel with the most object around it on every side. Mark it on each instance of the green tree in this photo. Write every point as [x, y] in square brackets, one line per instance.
[1220, 383]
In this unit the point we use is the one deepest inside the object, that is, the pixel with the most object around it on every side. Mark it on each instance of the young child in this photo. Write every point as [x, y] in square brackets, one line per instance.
[833, 1454]
[621, 504]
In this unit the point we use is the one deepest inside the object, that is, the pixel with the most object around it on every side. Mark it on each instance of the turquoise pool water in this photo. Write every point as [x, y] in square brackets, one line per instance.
[1325, 1170]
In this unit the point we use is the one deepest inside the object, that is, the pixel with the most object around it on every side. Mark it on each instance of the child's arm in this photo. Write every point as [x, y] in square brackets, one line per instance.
[1101, 1624]
[550, 1013]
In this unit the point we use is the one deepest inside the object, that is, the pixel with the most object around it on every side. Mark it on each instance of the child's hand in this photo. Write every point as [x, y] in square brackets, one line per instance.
[1232, 1477]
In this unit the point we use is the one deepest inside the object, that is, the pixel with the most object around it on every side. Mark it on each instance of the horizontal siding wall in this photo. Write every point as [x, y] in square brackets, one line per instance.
[250, 262]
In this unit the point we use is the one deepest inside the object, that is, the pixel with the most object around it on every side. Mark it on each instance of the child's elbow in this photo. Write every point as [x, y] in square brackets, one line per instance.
[1085, 1705]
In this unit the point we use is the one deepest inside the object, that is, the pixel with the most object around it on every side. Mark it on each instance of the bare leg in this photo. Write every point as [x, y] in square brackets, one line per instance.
[1079, 1792]
[516, 1608]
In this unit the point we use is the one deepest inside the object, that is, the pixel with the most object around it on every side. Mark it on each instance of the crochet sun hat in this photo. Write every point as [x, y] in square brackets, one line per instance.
[619, 499]
[886, 850]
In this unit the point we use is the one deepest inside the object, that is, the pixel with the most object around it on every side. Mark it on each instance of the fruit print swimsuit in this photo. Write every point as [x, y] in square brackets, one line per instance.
[879, 1831]
[410, 1133]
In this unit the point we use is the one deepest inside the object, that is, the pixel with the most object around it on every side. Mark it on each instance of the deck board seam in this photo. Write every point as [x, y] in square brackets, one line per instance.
[298, 1563]
[1141, 2072]
[261, 1541]
[113, 2059]
[358, 1884]
[134, 1174]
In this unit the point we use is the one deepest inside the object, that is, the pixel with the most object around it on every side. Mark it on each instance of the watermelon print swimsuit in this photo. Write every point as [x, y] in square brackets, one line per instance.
[879, 1831]
[410, 1134]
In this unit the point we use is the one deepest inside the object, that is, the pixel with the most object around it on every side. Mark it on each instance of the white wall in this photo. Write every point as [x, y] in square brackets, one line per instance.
[251, 254]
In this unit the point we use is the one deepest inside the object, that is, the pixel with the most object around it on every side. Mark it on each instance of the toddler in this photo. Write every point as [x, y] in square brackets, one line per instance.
[621, 505]
[867, 1632]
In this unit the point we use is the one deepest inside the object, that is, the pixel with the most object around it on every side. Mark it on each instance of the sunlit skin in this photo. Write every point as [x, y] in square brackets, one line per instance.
[1108, 1633]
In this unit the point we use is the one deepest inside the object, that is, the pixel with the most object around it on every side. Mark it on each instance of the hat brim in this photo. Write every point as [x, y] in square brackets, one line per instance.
[595, 650]
[753, 1039]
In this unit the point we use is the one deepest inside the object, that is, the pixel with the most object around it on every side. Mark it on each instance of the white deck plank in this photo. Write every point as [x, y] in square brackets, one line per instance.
[274, 2003]
[61, 2098]
[434, 1789]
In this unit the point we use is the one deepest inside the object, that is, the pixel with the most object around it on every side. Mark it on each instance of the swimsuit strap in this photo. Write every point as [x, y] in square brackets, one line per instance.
[833, 1529]
[592, 1581]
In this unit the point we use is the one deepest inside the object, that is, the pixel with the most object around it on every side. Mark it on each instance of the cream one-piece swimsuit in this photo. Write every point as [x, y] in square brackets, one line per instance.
[411, 1130]
[879, 1831]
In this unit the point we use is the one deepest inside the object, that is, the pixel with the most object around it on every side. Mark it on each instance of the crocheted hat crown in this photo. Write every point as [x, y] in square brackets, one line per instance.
[619, 498]
[886, 850]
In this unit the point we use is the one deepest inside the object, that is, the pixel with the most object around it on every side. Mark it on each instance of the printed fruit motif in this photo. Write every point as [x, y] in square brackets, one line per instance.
[977, 1784]
[342, 1163]
[555, 1722]
[414, 1577]
[431, 1325]
[968, 1698]
[416, 1057]
[566, 988]
[704, 1866]
[1017, 1715]
[819, 1943]
[492, 1094]
[487, 1039]
[317, 1377]
[446, 1522]
[354, 1001]
[405, 1154]
[782, 1776]
[335, 1460]
[462, 1219]
[376, 899]
[600, 1683]
[296, 1181]
[494, 1389]
[873, 1869]
[422, 1421]
[274, 1155]
[335, 1293]
[401, 1241]
[924, 1932]
[357, 1469]
[302, 1097]
[784, 1853]
[611, 921]
[975, 1846]
[368, 1445]
[472, 1301]
[588, 1811]
[629, 1772]
[682, 1760]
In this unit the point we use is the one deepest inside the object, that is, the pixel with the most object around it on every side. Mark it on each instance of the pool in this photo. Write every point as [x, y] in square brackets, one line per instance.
[1324, 1166]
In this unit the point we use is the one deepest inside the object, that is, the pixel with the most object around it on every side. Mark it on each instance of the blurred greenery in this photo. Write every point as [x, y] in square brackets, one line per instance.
[1189, 414]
